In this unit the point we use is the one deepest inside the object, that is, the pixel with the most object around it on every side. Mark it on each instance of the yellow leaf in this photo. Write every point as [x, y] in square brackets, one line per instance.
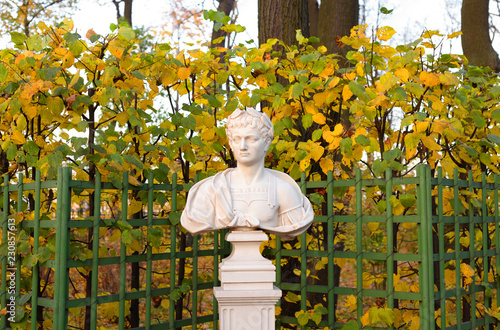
[385, 33]
[165, 303]
[402, 73]
[17, 137]
[304, 164]
[365, 319]
[386, 51]
[116, 49]
[326, 165]
[338, 130]
[346, 93]
[311, 108]
[319, 118]
[352, 302]
[373, 226]
[74, 80]
[350, 76]
[429, 78]
[454, 34]
[319, 98]
[133, 180]
[30, 111]
[421, 126]
[122, 118]
[449, 78]
[430, 143]
[334, 82]
[134, 207]
[184, 73]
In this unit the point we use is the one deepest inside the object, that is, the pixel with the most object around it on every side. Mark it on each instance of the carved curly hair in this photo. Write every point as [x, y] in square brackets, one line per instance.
[251, 118]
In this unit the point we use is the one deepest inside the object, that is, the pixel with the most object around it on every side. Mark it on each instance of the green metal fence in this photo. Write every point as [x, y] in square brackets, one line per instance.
[415, 253]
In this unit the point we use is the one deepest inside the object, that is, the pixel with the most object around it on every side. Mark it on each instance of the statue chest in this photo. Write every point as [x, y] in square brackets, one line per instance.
[257, 202]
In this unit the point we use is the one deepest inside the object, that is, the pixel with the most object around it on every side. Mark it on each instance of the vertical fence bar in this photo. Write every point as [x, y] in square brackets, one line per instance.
[20, 202]
[423, 246]
[216, 277]
[456, 213]
[36, 245]
[123, 255]
[303, 257]
[330, 247]
[94, 281]
[442, 285]
[496, 204]
[359, 246]
[486, 245]
[278, 274]
[472, 244]
[5, 219]
[194, 312]
[61, 281]
[173, 248]
[149, 253]
[390, 239]
[430, 246]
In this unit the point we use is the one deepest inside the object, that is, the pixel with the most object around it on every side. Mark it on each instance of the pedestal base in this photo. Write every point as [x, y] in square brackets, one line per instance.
[247, 296]
[247, 310]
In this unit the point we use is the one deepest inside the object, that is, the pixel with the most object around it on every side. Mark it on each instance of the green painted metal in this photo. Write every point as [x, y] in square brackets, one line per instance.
[446, 208]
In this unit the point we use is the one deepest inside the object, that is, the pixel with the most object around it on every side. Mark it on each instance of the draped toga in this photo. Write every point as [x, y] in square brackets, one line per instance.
[210, 206]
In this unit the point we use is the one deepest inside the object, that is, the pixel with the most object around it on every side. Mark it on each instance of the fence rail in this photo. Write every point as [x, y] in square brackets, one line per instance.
[419, 252]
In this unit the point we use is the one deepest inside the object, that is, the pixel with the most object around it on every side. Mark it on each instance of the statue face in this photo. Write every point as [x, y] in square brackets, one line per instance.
[248, 146]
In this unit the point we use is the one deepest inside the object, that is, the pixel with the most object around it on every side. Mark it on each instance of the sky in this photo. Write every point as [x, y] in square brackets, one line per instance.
[409, 17]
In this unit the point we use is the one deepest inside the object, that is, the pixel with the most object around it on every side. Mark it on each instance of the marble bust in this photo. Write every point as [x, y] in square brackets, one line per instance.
[250, 196]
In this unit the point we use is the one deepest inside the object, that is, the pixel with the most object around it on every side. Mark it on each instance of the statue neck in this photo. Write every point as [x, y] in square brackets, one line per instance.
[249, 175]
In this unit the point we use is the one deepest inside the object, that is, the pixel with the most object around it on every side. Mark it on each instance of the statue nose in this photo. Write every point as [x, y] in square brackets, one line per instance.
[243, 144]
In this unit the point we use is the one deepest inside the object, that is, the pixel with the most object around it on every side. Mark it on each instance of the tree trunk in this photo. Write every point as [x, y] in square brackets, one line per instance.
[313, 17]
[281, 18]
[225, 6]
[128, 11]
[336, 19]
[476, 41]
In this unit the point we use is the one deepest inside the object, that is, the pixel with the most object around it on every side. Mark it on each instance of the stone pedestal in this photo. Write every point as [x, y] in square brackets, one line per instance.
[247, 296]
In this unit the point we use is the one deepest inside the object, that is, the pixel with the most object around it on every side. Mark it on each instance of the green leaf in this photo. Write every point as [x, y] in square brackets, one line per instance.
[175, 217]
[362, 140]
[31, 148]
[351, 325]
[317, 134]
[346, 145]
[303, 318]
[307, 121]
[386, 315]
[495, 114]
[132, 160]
[358, 90]
[126, 33]
[407, 200]
[17, 38]
[398, 94]
[297, 89]
[494, 138]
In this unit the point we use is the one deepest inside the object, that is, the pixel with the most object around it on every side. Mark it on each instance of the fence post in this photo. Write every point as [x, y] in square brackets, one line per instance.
[62, 246]
[425, 248]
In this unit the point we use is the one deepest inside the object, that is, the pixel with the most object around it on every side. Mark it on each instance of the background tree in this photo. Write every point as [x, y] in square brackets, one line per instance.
[23, 15]
[126, 13]
[476, 41]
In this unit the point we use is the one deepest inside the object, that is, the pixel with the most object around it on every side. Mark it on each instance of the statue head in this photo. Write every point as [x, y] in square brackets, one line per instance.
[253, 119]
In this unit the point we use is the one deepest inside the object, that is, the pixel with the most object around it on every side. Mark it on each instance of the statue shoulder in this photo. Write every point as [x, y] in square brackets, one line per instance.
[289, 194]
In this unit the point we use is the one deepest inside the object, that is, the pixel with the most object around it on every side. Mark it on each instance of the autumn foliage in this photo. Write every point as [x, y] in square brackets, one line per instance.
[111, 104]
